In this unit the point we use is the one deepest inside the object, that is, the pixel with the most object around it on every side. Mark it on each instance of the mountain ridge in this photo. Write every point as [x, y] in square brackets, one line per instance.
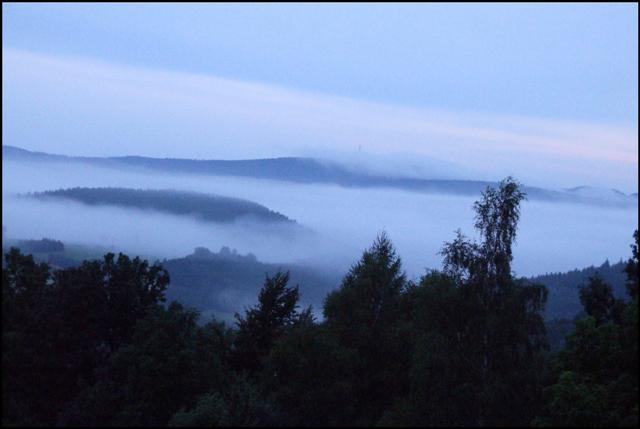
[311, 170]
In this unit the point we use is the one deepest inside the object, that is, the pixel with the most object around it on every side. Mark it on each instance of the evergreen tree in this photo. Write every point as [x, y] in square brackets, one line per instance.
[263, 324]
[363, 315]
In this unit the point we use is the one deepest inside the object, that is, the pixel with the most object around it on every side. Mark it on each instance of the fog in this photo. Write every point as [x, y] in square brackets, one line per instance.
[340, 222]
[84, 106]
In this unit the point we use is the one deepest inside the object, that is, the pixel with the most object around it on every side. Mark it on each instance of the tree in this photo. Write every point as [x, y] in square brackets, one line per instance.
[362, 314]
[442, 376]
[596, 374]
[240, 403]
[632, 268]
[598, 301]
[60, 327]
[309, 376]
[132, 286]
[263, 324]
[25, 296]
[497, 215]
[595, 383]
[487, 323]
[168, 364]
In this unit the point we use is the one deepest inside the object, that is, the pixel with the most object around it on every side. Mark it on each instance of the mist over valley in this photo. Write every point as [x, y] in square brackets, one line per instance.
[320, 214]
[322, 217]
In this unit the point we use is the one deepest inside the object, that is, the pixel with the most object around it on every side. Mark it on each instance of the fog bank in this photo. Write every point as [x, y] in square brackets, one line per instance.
[551, 236]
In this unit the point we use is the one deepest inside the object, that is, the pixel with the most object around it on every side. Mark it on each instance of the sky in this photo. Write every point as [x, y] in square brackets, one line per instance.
[547, 92]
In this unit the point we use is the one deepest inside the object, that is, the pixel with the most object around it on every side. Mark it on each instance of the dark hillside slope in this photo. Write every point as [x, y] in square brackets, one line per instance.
[211, 208]
[223, 283]
[564, 301]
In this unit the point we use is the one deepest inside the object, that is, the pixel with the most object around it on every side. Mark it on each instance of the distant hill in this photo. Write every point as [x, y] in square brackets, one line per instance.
[210, 208]
[215, 283]
[308, 170]
[225, 282]
[564, 302]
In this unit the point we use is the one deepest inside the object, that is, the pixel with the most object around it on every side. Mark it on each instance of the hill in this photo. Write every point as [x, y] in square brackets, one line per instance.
[215, 283]
[309, 170]
[564, 302]
[206, 207]
[225, 282]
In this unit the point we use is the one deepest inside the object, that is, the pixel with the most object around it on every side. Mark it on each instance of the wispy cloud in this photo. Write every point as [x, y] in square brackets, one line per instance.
[84, 106]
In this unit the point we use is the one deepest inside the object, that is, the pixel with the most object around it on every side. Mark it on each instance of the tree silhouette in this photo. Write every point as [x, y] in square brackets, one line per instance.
[263, 324]
[363, 314]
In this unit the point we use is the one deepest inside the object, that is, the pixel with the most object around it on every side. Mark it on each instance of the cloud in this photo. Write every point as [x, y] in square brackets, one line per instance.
[84, 106]
[344, 221]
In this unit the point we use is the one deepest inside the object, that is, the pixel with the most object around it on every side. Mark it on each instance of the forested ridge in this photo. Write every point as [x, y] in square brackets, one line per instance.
[212, 208]
[310, 170]
[97, 344]
[564, 288]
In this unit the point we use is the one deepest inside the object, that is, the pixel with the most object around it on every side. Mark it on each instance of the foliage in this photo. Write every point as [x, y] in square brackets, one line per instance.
[95, 344]
[58, 327]
[362, 314]
[263, 324]
[310, 378]
[564, 288]
[596, 380]
[241, 404]
[632, 268]
[598, 301]
[479, 338]
[167, 365]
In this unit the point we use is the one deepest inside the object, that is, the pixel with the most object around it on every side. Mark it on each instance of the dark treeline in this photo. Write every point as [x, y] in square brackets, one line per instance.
[211, 208]
[564, 288]
[97, 345]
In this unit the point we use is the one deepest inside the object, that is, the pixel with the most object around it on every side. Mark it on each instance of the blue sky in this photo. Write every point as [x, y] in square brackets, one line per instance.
[576, 61]
[544, 76]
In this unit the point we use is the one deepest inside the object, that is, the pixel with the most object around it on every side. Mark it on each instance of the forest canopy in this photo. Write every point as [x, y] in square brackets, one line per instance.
[97, 344]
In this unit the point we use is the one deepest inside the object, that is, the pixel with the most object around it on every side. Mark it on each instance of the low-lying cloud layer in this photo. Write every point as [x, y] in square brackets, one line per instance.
[552, 236]
[86, 107]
